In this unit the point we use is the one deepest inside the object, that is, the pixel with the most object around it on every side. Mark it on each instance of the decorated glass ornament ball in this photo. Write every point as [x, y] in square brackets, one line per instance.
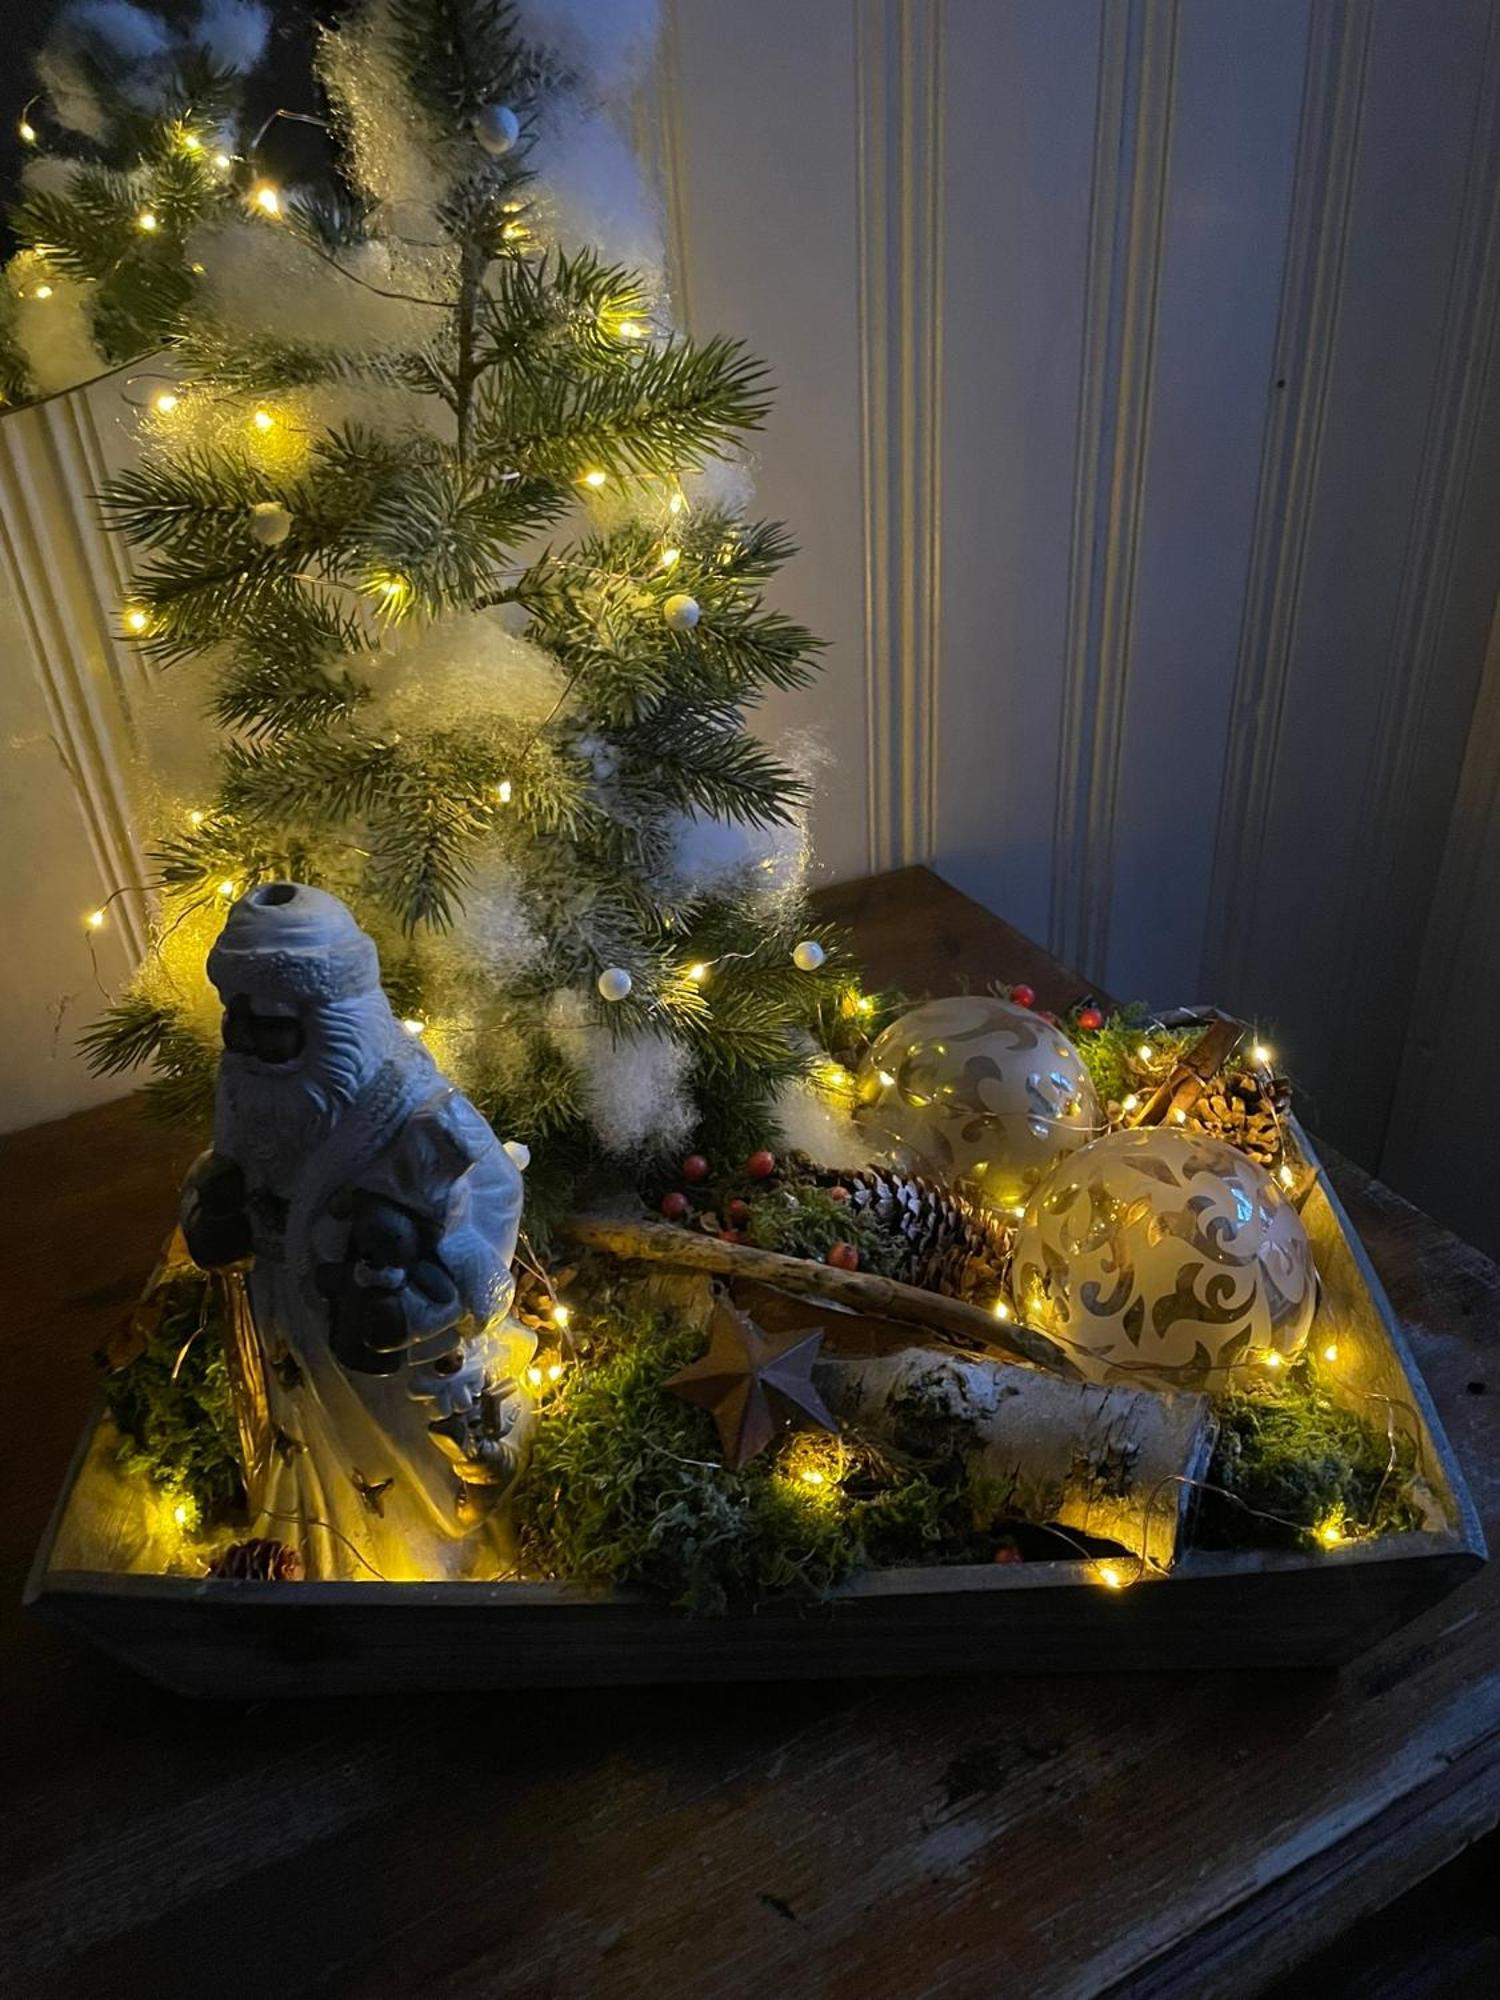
[977, 1089]
[1165, 1258]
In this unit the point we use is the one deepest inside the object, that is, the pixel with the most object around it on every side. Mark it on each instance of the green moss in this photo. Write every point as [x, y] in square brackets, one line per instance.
[1294, 1461]
[624, 1487]
[801, 1219]
[174, 1408]
[1110, 1053]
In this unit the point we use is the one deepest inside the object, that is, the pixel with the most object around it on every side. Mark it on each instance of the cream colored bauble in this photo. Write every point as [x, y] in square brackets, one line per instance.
[1165, 1258]
[977, 1089]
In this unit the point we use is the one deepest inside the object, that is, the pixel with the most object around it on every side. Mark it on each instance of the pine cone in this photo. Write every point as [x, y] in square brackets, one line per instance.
[952, 1245]
[1245, 1113]
[260, 1560]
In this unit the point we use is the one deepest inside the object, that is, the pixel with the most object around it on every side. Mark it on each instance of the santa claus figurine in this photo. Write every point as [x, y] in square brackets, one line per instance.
[379, 1215]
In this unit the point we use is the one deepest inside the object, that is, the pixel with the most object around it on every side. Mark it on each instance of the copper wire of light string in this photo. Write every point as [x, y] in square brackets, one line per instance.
[203, 1304]
[316, 1521]
[1142, 1558]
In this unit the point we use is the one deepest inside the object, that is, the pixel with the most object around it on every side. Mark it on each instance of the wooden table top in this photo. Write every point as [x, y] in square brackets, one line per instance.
[1191, 1834]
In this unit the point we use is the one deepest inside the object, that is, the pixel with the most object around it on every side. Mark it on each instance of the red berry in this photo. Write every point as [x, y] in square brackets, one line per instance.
[731, 1235]
[838, 1194]
[1024, 996]
[843, 1257]
[738, 1213]
[694, 1168]
[1046, 1014]
[760, 1166]
[1006, 1553]
[674, 1206]
[1090, 1017]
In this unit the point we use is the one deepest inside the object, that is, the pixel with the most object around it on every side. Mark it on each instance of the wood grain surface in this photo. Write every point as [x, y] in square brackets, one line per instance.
[1189, 1834]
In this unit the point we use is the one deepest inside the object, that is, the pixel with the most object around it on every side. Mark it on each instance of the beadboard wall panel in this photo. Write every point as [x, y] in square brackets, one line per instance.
[1020, 97]
[1171, 627]
[771, 227]
[1138, 418]
[1224, 198]
[67, 698]
[1340, 837]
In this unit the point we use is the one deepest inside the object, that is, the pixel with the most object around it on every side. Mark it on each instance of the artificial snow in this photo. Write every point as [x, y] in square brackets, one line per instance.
[496, 929]
[604, 43]
[634, 1086]
[590, 193]
[395, 151]
[814, 1125]
[234, 32]
[440, 675]
[260, 278]
[129, 31]
[55, 333]
[70, 96]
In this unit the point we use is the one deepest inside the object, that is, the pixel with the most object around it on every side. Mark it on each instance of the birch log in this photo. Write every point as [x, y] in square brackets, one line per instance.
[1108, 1462]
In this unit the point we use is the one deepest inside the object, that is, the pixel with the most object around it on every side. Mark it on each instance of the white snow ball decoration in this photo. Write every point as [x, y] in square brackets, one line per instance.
[497, 129]
[270, 523]
[614, 983]
[808, 955]
[520, 1154]
[682, 612]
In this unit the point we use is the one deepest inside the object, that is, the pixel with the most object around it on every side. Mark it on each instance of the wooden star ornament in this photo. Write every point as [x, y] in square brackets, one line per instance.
[753, 1383]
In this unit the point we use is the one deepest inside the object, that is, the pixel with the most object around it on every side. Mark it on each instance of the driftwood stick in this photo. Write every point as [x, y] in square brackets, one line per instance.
[861, 1291]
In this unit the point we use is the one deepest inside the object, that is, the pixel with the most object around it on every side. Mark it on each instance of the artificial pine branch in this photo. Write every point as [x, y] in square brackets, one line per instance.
[539, 822]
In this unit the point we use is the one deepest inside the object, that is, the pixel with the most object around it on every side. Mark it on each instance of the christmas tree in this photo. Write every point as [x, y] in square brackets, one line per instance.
[437, 536]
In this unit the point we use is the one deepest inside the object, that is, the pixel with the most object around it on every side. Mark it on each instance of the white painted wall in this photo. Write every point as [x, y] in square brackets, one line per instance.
[1138, 421]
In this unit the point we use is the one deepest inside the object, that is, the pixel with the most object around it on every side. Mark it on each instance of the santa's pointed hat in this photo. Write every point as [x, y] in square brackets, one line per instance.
[284, 941]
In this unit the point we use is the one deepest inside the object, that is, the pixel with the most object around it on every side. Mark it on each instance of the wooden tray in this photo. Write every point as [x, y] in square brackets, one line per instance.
[245, 1639]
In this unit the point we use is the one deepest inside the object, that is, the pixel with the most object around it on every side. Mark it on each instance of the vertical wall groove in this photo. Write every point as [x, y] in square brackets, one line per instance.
[1327, 155]
[898, 78]
[1127, 213]
[58, 563]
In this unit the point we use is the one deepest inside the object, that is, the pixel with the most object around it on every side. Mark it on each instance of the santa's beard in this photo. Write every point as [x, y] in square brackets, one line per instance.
[273, 1122]
[272, 1119]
